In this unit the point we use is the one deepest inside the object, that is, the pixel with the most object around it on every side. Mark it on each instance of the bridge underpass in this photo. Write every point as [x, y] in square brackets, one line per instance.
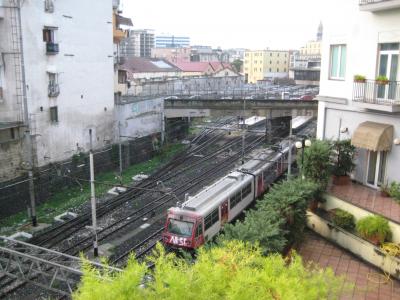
[192, 108]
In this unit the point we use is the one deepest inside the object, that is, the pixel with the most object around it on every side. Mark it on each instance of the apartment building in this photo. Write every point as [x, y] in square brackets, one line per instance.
[172, 55]
[365, 41]
[265, 64]
[305, 65]
[137, 43]
[57, 84]
[172, 41]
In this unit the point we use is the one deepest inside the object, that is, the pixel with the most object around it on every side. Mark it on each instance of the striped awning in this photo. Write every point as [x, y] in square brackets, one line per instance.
[373, 136]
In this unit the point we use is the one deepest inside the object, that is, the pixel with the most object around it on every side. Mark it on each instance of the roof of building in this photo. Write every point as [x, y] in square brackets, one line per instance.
[123, 20]
[217, 65]
[193, 66]
[146, 65]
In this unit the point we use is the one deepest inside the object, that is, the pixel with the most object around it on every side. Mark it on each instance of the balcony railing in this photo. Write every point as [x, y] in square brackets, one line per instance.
[373, 92]
[1, 93]
[378, 5]
[364, 2]
[54, 90]
[52, 48]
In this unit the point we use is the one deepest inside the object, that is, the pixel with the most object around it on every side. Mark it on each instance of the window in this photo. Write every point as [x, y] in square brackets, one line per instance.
[278, 55]
[284, 70]
[49, 35]
[270, 69]
[260, 69]
[53, 87]
[235, 199]
[182, 228]
[121, 76]
[270, 62]
[270, 54]
[54, 114]
[211, 219]
[277, 69]
[337, 62]
[246, 191]
[199, 230]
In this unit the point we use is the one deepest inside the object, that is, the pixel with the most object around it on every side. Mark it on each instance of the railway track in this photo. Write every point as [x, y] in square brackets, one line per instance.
[56, 233]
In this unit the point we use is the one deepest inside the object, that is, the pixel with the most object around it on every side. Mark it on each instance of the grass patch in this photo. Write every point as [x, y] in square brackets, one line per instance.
[72, 197]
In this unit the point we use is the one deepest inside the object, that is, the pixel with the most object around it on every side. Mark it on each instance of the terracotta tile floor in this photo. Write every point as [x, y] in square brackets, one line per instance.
[325, 254]
[367, 198]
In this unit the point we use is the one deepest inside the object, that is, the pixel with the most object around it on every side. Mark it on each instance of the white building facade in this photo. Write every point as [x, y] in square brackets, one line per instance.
[364, 41]
[67, 50]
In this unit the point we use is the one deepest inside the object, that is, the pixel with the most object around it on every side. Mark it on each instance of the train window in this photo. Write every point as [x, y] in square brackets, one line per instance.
[235, 199]
[211, 219]
[246, 191]
[180, 227]
[199, 230]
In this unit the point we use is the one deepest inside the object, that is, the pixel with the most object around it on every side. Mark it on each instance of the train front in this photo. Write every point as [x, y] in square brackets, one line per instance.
[183, 229]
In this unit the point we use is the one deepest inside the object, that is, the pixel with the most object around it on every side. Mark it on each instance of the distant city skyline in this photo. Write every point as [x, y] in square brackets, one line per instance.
[255, 24]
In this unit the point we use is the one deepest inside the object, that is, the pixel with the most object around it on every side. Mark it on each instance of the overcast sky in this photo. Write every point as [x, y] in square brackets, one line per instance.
[253, 24]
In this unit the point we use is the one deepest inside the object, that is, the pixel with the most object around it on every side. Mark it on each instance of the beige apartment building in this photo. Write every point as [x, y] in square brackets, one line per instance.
[311, 48]
[265, 64]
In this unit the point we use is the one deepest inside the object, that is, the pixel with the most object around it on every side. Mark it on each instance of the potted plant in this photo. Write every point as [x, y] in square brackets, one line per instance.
[375, 229]
[342, 161]
[359, 78]
[342, 219]
[315, 162]
[382, 80]
[394, 190]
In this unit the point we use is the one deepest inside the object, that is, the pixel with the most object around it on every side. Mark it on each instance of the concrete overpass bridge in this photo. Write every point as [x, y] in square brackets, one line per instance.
[191, 108]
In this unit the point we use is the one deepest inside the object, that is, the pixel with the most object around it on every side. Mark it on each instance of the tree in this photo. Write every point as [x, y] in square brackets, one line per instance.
[234, 270]
[316, 164]
[237, 65]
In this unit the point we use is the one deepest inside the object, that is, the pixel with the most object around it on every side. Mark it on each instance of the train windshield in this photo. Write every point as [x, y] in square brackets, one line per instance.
[180, 227]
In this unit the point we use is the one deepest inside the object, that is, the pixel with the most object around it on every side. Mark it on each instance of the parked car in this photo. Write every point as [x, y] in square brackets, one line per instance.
[195, 97]
[171, 98]
[307, 97]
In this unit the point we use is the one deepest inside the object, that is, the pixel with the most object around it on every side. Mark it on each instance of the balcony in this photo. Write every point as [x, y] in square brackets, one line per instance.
[375, 96]
[51, 48]
[378, 5]
[54, 90]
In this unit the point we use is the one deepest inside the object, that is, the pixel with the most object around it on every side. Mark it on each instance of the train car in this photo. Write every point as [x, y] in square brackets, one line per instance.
[202, 216]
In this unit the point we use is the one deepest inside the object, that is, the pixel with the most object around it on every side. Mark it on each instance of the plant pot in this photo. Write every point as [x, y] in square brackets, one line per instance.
[375, 239]
[359, 80]
[313, 205]
[382, 82]
[341, 180]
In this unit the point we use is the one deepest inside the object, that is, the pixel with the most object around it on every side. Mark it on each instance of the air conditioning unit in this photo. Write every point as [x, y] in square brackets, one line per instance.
[49, 6]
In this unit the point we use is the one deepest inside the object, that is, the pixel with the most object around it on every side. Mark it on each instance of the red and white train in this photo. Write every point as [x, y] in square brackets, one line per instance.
[202, 216]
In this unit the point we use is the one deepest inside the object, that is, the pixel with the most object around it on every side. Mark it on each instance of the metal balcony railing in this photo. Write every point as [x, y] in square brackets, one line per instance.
[365, 2]
[374, 92]
[1, 93]
[52, 48]
[54, 90]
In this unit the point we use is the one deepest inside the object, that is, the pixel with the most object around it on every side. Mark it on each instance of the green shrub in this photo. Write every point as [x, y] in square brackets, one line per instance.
[394, 190]
[343, 157]
[343, 219]
[280, 217]
[235, 270]
[316, 165]
[375, 228]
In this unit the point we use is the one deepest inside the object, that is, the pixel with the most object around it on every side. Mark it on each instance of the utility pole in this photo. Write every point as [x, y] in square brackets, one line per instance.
[162, 124]
[289, 172]
[93, 199]
[27, 131]
[243, 129]
[120, 151]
